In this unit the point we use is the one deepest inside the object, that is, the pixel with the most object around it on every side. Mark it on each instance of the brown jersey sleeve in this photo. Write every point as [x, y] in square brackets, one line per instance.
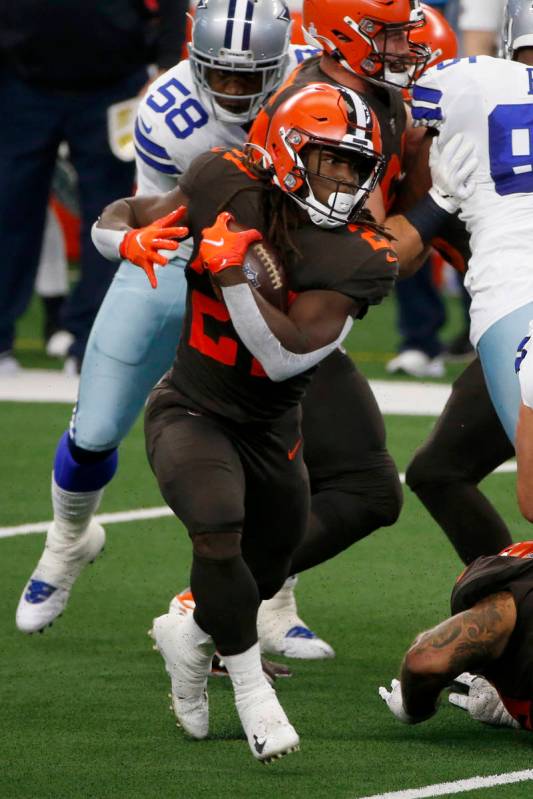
[353, 260]
[196, 173]
[490, 574]
[219, 181]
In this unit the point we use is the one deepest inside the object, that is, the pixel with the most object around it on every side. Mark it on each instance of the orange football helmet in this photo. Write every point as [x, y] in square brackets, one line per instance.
[438, 36]
[523, 549]
[329, 117]
[350, 31]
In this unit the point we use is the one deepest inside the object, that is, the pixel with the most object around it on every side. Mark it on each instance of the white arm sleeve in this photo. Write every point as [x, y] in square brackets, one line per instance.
[107, 242]
[279, 363]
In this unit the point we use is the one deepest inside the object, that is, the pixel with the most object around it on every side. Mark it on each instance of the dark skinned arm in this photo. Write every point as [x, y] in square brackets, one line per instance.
[524, 460]
[137, 212]
[467, 641]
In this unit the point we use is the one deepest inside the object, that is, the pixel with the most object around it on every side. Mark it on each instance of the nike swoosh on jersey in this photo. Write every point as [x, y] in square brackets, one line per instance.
[291, 454]
[148, 128]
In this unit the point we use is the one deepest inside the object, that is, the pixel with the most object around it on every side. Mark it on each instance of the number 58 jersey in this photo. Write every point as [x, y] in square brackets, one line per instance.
[175, 123]
[490, 101]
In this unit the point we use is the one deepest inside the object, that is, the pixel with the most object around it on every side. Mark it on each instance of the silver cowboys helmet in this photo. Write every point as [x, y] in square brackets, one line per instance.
[240, 36]
[517, 30]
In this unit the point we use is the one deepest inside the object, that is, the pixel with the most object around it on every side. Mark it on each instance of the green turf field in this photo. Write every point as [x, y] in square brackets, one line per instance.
[84, 709]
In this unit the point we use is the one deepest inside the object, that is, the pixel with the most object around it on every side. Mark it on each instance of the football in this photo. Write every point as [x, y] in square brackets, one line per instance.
[264, 270]
[265, 273]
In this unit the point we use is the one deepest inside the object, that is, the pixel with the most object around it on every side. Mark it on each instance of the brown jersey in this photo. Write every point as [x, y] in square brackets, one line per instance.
[386, 102]
[213, 368]
[512, 673]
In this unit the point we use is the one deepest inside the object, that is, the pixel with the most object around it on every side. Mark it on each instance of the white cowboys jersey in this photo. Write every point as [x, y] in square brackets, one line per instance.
[491, 101]
[175, 124]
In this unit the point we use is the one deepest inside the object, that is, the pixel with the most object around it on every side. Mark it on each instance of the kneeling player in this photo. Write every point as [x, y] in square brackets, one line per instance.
[490, 635]
[223, 426]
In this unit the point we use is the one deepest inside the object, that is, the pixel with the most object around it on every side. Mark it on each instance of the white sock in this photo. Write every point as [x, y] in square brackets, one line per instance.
[246, 673]
[73, 510]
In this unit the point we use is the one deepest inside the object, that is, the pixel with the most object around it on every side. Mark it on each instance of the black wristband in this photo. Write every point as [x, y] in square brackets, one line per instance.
[427, 218]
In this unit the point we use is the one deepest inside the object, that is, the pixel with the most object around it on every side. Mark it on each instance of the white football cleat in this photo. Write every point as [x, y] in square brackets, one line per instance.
[59, 344]
[269, 733]
[282, 632]
[187, 652]
[182, 603]
[416, 364]
[46, 594]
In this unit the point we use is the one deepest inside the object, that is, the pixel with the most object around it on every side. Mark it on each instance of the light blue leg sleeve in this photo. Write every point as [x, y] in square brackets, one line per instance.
[132, 344]
[497, 351]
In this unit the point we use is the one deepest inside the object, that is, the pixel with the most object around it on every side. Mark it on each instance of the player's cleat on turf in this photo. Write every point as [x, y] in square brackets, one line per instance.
[187, 652]
[46, 594]
[416, 364]
[282, 632]
[269, 733]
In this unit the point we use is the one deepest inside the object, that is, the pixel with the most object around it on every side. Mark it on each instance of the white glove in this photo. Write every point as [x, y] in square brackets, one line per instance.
[394, 701]
[482, 701]
[452, 171]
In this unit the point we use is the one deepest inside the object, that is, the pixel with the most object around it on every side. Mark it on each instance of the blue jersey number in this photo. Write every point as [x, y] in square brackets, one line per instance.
[303, 53]
[472, 59]
[182, 119]
[511, 148]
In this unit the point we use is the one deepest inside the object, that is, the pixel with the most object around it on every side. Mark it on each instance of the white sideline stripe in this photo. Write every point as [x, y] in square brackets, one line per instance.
[104, 518]
[394, 396]
[458, 786]
[151, 513]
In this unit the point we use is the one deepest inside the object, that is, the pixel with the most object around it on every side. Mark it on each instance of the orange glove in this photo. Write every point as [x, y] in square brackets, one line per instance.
[141, 245]
[221, 247]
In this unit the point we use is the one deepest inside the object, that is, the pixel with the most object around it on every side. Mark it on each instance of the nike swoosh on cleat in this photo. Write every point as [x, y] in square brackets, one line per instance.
[259, 745]
[291, 454]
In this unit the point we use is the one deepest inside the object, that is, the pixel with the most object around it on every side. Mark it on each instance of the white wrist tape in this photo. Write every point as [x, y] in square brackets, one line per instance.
[279, 363]
[107, 242]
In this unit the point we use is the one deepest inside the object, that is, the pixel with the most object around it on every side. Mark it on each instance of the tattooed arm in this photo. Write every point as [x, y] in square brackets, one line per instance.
[465, 642]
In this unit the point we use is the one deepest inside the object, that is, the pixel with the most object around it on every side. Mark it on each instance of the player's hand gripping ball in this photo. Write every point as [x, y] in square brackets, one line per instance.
[221, 247]
[260, 262]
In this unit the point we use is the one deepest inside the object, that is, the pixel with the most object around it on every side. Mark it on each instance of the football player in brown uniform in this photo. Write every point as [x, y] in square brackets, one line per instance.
[485, 647]
[354, 482]
[367, 48]
[223, 427]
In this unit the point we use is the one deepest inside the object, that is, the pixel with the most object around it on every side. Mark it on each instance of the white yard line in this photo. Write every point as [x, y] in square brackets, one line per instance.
[150, 513]
[458, 786]
[104, 518]
[394, 396]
